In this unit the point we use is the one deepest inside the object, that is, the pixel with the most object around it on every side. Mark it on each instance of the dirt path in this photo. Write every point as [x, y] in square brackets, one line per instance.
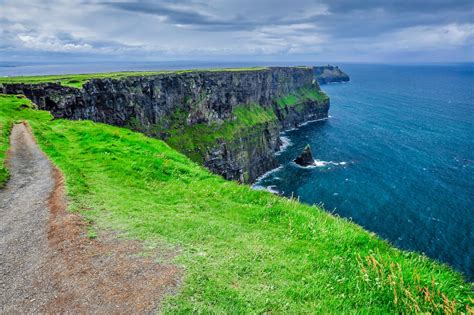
[47, 263]
[24, 219]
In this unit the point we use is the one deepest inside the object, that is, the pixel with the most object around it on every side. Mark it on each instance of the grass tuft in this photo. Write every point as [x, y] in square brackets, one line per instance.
[406, 291]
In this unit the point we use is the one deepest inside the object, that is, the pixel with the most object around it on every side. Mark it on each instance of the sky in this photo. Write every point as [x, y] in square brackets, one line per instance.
[390, 31]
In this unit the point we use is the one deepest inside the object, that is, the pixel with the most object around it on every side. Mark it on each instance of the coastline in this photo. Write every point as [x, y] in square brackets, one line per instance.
[287, 143]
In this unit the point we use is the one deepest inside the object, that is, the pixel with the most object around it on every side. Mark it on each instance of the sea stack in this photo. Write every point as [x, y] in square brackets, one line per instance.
[306, 157]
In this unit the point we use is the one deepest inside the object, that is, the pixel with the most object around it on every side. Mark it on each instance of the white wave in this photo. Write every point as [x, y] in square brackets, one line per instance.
[337, 83]
[270, 188]
[312, 121]
[319, 163]
[305, 123]
[285, 143]
[266, 174]
[288, 130]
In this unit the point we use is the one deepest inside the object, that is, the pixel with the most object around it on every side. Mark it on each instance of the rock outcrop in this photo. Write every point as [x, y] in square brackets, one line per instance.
[329, 74]
[306, 157]
[186, 108]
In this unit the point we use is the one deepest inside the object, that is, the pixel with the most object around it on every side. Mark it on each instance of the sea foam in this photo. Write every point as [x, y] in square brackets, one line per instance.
[285, 143]
[319, 163]
[266, 174]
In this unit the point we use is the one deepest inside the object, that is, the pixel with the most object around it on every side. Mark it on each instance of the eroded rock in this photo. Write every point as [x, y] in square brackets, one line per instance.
[306, 157]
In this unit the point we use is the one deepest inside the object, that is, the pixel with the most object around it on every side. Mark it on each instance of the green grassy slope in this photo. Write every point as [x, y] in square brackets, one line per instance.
[246, 119]
[300, 96]
[77, 80]
[5, 127]
[196, 139]
[243, 250]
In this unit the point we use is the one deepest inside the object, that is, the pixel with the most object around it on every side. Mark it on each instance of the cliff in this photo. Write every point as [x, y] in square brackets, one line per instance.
[229, 120]
[329, 74]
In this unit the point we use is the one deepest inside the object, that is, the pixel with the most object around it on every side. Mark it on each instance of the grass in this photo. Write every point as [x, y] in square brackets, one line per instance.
[196, 139]
[243, 251]
[78, 80]
[5, 127]
[407, 296]
[9, 107]
[248, 120]
[300, 96]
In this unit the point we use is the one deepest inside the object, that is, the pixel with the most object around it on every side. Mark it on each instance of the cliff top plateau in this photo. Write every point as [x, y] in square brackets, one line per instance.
[78, 80]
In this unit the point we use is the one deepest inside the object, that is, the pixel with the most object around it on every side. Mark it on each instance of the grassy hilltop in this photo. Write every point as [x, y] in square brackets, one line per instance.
[78, 80]
[243, 251]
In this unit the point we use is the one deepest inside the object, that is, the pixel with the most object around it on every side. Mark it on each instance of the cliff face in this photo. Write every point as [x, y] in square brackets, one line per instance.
[227, 120]
[328, 74]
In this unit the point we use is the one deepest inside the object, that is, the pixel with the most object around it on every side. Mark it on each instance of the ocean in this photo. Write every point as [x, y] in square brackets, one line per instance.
[396, 156]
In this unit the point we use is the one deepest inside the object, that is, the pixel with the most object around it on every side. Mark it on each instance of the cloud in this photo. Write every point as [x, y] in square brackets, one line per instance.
[51, 43]
[285, 39]
[432, 36]
[178, 13]
[221, 16]
[356, 30]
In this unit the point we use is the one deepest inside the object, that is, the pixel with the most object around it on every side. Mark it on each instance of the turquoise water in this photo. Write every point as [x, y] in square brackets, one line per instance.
[396, 156]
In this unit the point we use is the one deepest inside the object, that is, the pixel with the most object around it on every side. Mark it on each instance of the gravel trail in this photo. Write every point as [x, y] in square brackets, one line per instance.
[49, 265]
[24, 219]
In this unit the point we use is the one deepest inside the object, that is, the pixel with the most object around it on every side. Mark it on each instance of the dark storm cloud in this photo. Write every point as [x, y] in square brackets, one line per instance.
[202, 15]
[187, 12]
[346, 18]
[179, 16]
[372, 17]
